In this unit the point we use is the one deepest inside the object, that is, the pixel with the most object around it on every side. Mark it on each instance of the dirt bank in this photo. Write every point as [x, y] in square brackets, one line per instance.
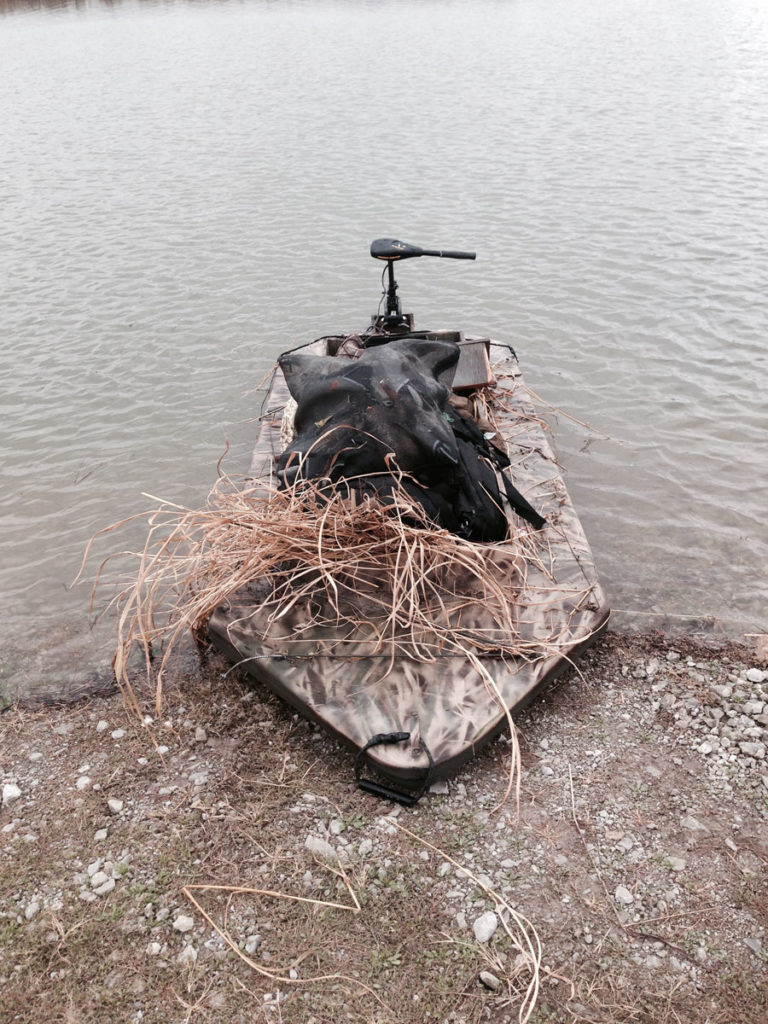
[639, 858]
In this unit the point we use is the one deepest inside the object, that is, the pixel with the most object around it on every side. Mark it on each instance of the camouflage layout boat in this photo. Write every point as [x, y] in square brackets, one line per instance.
[414, 719]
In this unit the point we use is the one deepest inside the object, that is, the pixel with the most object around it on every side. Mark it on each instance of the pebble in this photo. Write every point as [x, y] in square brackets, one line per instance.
[102, 726]
[623, 895]
[36, 756]
[154, 948]
[490, 980]
[365, 847]
[100, 835]
[677, 863]
[114, 805]
[252, 943]
[320, 847]
[98, 878]
[83, 782]
[187, 957]
[117, 734]
[105, 887]
[754, 675]
[485, 926]
[31, 909]
[11, 793]
[184, 923]
[201, 736]
[439, 788]
[693, 824]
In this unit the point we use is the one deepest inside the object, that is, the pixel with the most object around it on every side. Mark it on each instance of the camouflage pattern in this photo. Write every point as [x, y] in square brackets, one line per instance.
[348, 685]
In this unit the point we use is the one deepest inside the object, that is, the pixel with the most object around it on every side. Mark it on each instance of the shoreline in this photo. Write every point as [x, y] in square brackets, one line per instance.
[639, 856]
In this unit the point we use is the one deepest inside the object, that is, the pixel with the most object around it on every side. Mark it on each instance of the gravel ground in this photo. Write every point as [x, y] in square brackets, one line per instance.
[638, 856]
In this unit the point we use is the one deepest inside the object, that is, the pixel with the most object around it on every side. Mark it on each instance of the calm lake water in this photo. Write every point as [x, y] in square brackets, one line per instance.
[190, 188]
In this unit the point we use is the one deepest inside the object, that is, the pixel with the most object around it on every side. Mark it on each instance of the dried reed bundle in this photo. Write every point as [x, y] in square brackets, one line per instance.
[323, 571]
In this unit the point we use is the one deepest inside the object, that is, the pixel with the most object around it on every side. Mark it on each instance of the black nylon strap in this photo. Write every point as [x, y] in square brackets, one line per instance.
[407, 799]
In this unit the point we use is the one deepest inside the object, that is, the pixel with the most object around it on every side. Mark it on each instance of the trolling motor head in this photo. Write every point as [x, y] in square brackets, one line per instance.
[394, 321]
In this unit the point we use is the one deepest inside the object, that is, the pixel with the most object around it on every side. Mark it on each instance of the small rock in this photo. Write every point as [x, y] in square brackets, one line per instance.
[201, 736]
[490, 981]
[623, 895]
[439, 788]
[546, 770]
[252, 943]
[154, 948]
[114, 805]
[31, 909]
[187, 957]
[36, 756]
[754, 675]
[102, 726]
[98, 878]
[485, 926]
[184, 923]
[117, 734]
[83, 782]
[93, 867]
[677, 863]
[11, 793]
[105, 887]
[100, 835]
[365, 847]
[693, 824]
[444, 868]
[753, 749]
[320, 847]
[755, 945]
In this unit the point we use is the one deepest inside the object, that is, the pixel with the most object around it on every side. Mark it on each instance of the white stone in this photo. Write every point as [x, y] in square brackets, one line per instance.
[677, 863]
[365, 847]
[490, 980]
[154, 948]
[101, 834]
[105, 887]
[11, 793]
[114, 805]
[117, 734]
[693, 824]
[102, 726]
[754, 675]
[439, 788]
[623, 895]
[184, 923]
[36, 756]
[201, 736]
[93, 867]
[31, 909]
[753, 749]
[98, 878]
[320, 847]
[187, 957]
[485, 926]
[83, 782]
[163, 750]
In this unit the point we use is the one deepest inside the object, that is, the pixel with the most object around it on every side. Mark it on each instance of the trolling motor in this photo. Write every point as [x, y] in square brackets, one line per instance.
[394, 321]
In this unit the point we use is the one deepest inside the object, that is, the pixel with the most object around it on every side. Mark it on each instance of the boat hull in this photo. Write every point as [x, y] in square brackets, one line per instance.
[453, 705]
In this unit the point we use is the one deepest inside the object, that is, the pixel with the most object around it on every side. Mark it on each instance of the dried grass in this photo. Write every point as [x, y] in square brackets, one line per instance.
[326, 572]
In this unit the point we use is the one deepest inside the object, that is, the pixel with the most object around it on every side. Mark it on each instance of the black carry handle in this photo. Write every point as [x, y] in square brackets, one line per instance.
[392, 249]
[384, 792]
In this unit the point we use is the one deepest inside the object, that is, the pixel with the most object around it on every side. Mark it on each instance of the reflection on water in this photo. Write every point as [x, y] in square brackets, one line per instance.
[189, 189]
